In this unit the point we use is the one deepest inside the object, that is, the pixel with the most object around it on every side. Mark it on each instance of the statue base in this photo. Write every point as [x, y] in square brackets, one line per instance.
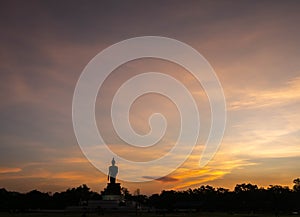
[111, 197]
[112, 192]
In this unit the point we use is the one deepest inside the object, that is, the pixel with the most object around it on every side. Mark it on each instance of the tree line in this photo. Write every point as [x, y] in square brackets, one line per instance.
[244, 198]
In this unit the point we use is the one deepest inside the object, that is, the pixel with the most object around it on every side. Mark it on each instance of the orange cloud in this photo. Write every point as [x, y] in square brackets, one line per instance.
[10, 170]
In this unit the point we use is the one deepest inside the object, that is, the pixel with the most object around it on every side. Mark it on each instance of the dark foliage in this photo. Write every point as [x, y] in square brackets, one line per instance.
[244, 198]
[13, 201]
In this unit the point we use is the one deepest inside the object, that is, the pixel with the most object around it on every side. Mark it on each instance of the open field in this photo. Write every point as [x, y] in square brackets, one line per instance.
[142, 215]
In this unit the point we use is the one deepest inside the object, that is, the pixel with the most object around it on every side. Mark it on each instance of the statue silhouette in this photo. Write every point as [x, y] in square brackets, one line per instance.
[112, 172]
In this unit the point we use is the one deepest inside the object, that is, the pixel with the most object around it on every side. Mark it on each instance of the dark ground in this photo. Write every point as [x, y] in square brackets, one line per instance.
[141, 215]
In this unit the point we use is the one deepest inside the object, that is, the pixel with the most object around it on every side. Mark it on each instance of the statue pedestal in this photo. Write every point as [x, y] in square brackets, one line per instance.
[112, 191]
[111, 197]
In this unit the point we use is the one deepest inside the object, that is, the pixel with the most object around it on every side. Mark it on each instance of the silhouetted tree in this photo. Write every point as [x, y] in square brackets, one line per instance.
[281, 198]
[37, 200]
[125, 193]
[296, 187]
[75, 196]
[244, 198]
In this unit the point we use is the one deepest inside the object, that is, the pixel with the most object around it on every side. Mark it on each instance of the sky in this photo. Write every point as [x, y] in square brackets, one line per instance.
[253, 47]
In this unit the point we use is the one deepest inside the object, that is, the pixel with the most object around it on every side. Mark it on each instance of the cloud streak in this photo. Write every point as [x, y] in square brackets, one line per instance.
[162, 179]
[10, 170]
[290, 93]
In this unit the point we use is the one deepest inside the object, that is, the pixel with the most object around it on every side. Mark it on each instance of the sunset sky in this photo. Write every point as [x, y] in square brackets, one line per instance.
[253, 46]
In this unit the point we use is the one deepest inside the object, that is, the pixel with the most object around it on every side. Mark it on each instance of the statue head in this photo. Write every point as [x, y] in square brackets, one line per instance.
[113, 162]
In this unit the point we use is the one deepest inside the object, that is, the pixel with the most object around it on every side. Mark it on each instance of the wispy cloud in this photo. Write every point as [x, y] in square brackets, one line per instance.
[162, 179]
[251, 99]
[10, 170]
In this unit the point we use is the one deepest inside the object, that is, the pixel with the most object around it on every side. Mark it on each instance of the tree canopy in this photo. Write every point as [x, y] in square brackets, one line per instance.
[245, 197]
